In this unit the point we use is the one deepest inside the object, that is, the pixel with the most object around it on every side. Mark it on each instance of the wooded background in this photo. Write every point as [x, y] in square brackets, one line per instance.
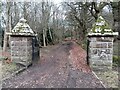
[55, 22]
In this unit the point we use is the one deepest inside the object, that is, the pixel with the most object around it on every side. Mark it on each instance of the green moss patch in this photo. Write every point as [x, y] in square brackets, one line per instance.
[116, 60]
[101, 26]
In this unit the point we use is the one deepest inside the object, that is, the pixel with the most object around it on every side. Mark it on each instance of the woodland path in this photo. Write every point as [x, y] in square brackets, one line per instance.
[60, 66]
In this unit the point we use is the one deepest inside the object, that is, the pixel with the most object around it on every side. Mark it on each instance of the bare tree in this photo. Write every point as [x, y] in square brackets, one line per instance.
[8, 25]
[96, 8]
[78, 16]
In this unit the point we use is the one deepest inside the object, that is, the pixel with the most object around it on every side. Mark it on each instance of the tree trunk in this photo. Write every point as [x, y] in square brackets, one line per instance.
[50, 34]
[24, 10]
[44, 39]
[8, 26]
[5, 42]
[116, 16]
[119, 20]
[43, 23]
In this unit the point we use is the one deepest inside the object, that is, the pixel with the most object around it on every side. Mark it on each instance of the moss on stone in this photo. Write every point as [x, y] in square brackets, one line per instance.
[22, 27]
[101, 26]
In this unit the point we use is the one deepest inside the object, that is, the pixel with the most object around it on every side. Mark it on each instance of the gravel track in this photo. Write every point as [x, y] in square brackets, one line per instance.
[55, 69]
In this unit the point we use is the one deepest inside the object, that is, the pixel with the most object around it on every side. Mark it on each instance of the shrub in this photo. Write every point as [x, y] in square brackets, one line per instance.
[116, 60]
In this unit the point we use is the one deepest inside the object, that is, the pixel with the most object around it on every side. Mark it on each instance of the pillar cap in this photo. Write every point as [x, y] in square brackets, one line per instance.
[101, 28]
[22, 28]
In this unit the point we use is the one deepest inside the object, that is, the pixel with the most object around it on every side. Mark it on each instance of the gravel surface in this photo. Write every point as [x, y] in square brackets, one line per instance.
[57, 68]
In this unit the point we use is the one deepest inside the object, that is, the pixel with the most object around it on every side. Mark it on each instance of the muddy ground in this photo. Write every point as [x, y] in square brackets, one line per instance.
[59, 66]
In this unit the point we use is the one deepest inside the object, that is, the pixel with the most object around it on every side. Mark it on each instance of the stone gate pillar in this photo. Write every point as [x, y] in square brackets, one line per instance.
[100, 49]
[21, 43]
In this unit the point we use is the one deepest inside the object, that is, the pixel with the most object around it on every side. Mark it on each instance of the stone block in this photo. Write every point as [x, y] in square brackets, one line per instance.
[101, 52]
[21, 50]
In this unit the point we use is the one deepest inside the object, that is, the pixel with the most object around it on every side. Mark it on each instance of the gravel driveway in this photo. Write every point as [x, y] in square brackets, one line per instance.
[57, 69]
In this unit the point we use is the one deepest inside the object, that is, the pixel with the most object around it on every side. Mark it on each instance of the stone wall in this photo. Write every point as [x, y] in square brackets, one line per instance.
[0, 75]
[101, 52]
[21, 50]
